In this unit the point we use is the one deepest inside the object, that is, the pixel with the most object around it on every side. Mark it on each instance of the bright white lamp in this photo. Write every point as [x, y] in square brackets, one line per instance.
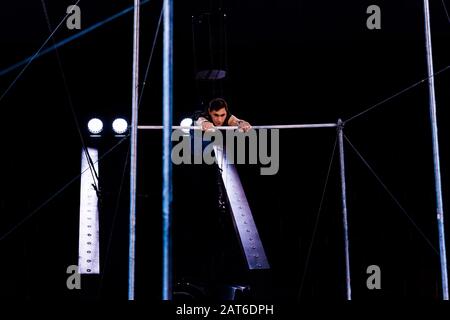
[120, 126]
[186, 122]
[95, 126]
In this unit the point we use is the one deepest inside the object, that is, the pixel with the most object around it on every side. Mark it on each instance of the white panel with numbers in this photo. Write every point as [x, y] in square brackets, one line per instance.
[89, 248]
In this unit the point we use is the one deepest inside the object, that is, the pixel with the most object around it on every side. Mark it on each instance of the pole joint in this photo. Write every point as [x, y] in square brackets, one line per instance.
[340, 125]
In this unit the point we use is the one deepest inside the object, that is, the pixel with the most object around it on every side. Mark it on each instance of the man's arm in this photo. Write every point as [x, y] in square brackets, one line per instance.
[242, 124]
[204, 123]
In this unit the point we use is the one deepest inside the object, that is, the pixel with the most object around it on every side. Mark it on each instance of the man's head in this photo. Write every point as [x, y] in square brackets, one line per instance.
[218, 111]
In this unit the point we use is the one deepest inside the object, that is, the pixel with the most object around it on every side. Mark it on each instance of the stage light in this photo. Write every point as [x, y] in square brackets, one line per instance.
[120, 126]
[95, 126]
[186, 122]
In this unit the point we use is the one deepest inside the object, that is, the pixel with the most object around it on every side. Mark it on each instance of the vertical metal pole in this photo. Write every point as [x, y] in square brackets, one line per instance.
[437, 168]
[167, 147]
[133, 153]
[344, 209]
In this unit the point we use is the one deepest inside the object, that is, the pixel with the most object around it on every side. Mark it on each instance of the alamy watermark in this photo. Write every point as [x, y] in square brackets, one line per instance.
[192, 149]
[374, 280]
[374, 20]
[74, 280]
[74, 19]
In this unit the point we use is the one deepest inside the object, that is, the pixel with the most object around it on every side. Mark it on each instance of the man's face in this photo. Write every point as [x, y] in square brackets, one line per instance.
[218, 116]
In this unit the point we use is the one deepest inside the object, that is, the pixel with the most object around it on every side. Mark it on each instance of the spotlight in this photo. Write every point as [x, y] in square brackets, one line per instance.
[120, 126]
[186, 122]
[95, 126]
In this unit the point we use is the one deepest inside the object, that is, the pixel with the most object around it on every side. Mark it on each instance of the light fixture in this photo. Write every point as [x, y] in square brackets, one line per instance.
[95, 126]
[186, 122]
[120, 126]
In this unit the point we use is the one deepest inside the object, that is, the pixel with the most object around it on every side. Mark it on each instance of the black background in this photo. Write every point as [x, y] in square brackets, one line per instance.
[288, 62]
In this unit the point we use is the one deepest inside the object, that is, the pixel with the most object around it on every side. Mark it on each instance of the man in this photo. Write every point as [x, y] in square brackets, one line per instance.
[219, 115]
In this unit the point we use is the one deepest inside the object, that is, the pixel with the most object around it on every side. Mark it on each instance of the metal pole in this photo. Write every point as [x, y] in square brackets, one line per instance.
[133, 153]
[282, 126]
[344, 210]
[437, 168]
[167, 147]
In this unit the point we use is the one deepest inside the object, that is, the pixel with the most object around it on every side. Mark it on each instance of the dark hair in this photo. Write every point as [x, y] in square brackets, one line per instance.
[217, 104]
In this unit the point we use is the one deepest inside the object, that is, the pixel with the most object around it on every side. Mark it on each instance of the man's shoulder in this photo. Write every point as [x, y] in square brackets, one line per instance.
[198, 114]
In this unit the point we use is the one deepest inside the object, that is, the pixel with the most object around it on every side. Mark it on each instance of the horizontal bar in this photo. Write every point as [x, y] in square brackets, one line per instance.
[298, 126]
[286, 126]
